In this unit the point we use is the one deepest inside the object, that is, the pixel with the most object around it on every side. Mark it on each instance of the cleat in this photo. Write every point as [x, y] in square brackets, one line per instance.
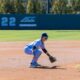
[34, 65]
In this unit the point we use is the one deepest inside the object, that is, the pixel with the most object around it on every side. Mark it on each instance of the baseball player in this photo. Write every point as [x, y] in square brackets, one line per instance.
[35, 48]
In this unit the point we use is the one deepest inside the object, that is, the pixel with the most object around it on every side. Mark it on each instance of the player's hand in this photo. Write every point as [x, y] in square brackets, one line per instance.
[52, 59]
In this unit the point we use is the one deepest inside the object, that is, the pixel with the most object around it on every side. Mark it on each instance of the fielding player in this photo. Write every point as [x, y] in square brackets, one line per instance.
[35, 48]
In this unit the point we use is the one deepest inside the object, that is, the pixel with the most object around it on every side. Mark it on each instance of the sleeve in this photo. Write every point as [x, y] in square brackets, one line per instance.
[44, 50]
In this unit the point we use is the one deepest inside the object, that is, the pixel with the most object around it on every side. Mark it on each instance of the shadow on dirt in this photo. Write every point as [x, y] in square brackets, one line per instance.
[47, 67]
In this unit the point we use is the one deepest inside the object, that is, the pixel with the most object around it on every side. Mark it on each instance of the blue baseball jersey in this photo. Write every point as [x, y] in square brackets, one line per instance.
[37, 43]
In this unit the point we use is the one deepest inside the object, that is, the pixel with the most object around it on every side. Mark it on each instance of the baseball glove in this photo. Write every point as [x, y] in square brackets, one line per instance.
[52, 59]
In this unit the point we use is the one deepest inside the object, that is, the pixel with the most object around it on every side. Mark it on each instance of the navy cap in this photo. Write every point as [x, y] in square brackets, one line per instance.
[44, 35]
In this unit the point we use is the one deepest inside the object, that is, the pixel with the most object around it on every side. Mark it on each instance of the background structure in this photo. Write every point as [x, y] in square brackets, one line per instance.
[40, 6]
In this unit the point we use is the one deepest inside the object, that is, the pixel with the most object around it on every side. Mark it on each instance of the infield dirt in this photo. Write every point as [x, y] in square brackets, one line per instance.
[14, 63]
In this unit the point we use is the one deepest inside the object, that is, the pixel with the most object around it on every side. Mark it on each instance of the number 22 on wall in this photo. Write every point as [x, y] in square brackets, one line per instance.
[5, 21]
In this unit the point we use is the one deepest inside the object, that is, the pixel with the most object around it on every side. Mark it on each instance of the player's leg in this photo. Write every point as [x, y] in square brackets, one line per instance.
[36, 56]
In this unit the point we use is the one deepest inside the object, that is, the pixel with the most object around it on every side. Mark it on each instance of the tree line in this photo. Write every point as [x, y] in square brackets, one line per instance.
[65, 7]
[37, 6]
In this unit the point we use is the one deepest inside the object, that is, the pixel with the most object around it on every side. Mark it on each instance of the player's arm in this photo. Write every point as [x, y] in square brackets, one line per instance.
[46, 52]
[51, 58]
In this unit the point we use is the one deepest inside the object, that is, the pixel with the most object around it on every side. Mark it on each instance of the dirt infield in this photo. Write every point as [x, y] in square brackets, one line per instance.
[14, 64]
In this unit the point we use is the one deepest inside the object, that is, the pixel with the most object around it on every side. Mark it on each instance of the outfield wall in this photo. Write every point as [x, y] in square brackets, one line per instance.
[39, 22]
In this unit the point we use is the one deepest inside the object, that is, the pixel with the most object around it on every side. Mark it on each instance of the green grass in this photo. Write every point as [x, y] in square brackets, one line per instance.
[24, 35]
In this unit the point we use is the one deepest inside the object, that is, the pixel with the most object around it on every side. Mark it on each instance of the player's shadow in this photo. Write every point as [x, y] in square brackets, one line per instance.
[53, 67]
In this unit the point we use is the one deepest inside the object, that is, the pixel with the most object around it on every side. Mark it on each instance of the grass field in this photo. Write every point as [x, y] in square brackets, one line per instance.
[24, 35]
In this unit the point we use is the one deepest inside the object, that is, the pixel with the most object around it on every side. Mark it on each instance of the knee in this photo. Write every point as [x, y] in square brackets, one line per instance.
[37, 53]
